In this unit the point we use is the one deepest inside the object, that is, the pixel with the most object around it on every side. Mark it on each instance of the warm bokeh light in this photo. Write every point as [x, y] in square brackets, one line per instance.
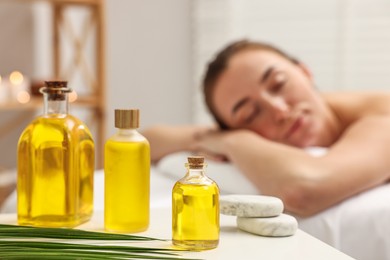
[0, 79]
[16, 78]
[23, 97]
[72, 96]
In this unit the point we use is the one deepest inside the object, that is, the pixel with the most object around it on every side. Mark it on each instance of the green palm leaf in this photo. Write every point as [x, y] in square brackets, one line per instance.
[17, 248]
[66, 233]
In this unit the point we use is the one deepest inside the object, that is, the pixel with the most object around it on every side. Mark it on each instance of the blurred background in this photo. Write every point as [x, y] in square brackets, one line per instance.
[151, 55]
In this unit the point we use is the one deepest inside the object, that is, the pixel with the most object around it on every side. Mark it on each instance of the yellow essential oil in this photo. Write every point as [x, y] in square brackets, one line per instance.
[195, 209]
[55, 169]
[127, 176]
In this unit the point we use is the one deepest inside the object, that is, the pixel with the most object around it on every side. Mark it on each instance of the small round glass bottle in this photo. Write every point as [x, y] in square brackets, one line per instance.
[127, 176]
[195, 208]
[55, 165]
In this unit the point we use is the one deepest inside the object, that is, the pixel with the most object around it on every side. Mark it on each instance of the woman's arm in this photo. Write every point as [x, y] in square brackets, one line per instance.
[166, 139]
[307, 185]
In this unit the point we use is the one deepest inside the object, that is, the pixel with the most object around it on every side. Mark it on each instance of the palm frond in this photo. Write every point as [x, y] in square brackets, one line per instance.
[13, 245]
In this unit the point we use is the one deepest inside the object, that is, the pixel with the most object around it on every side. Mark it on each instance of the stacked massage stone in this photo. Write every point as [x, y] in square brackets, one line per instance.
[258, 214]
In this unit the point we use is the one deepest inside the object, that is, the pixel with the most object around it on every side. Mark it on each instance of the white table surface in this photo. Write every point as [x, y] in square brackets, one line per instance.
[233, 244]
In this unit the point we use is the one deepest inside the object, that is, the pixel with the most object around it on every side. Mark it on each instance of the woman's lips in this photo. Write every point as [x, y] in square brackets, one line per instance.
[295, 127]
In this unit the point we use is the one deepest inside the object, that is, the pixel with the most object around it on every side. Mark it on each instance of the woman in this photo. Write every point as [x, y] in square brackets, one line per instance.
[268, 109]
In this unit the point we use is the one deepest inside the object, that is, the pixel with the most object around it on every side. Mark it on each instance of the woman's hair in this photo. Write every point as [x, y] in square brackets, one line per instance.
[218, 65]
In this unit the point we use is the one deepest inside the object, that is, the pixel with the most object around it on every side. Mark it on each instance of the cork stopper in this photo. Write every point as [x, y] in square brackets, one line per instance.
[56, 89]
[195, 162]
[126, 118]
[56, 84]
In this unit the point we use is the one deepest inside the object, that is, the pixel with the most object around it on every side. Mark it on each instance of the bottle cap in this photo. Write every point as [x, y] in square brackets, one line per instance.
[196, 162]
[56, 84]
[56, 89]
[126, 118]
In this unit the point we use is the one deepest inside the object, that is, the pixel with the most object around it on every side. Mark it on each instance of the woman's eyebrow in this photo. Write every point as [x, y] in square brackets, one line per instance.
[239, 104]
[266, 74]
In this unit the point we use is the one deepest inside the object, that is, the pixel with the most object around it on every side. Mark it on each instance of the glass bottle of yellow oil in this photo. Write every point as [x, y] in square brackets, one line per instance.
[55, 165]
[195, 208]
[127, 176]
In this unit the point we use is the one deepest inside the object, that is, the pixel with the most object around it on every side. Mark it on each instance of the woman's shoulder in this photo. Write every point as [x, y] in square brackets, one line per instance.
[359, 104]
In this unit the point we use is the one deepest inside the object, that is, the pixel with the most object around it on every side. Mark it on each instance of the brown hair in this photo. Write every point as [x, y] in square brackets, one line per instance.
[218, 65]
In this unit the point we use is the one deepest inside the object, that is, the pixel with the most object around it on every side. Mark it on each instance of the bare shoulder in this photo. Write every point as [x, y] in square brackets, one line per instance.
[352, 106]
[366, 120]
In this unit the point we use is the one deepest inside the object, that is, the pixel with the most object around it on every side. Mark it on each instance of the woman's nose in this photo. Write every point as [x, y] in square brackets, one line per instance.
[279, 109]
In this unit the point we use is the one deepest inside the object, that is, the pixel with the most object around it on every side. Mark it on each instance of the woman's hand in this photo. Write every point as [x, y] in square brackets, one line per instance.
[166, 139]
[214, 143]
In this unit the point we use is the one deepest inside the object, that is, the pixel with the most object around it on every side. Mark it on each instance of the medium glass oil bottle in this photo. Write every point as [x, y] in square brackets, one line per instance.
[127, 176]
[55, 165]
[195, 208]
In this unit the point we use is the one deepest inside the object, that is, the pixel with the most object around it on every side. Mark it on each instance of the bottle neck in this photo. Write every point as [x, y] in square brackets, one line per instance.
[128, 135]
[55, 104]
[195, 172]
[127, 131]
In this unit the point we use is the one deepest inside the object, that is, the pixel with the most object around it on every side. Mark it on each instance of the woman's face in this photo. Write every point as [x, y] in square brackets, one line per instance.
[264, 92]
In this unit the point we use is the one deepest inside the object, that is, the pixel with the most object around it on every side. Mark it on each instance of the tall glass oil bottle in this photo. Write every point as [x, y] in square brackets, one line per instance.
[127, 176]
[55, 165]
[195, 208]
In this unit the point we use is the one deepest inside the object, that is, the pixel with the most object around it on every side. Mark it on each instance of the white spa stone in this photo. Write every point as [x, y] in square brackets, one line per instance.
[280, 226]
[250, 205]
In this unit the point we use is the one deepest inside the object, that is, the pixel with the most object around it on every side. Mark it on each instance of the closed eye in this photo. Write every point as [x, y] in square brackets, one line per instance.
[277, 87]
[252, 115]
[278, 80]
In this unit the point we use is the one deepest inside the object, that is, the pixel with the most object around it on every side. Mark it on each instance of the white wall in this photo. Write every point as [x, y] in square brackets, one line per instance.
[148, 60]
